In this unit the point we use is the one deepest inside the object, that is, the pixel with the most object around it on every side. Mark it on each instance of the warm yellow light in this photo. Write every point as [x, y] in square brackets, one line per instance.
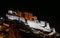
[6, 24]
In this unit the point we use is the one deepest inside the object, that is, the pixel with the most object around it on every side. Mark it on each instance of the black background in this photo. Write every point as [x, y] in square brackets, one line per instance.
[52, 16]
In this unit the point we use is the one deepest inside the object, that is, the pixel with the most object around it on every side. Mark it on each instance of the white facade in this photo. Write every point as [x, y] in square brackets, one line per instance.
[32, 24]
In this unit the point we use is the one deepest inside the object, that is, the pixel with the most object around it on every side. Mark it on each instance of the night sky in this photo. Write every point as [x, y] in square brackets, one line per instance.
[51, 16]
